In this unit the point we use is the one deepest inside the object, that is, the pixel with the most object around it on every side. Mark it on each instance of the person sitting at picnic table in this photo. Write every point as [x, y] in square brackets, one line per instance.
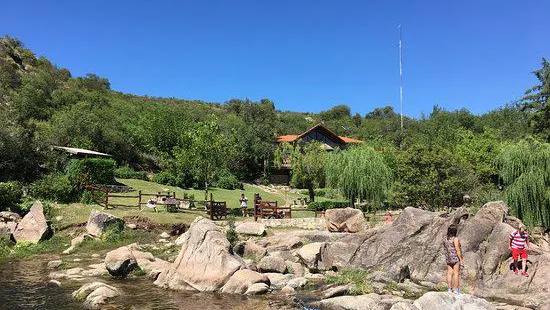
[152, 204]
[244, 205]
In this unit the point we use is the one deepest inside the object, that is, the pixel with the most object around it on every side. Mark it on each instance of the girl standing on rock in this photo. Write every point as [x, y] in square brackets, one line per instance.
[453, 258]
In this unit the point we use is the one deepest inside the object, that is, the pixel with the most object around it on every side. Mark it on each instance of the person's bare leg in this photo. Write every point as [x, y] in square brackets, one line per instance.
[449, 277]
[523, 264]
[515, 265]
[456, 280]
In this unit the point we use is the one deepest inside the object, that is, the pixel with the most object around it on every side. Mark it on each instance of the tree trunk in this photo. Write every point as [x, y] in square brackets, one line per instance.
[352, 201]
[311, 193]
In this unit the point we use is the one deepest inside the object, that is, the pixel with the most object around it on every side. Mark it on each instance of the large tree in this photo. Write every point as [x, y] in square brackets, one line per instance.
[537, 102]
[359, 173]
[525, 170]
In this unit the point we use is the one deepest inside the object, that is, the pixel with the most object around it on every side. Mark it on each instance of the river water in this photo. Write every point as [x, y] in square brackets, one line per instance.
[24, 285]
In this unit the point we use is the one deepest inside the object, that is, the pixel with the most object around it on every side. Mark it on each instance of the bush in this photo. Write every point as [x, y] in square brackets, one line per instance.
[126, 172]
[227, 180]
[10, 195]
[54, 187]
[325, 205]
[165, 178]
[231, 233]
[91, 171]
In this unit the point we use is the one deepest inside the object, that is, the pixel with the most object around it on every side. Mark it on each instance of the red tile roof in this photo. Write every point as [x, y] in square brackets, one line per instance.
[291, 138]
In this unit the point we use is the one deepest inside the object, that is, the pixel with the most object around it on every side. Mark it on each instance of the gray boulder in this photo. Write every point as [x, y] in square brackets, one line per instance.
[33, 227]
[345, 220]
[241, 281]
[204, 262]
[95, 294]
[250, 249]
[310, 254]
[272, 264]
[251, 228]
[120, 262]
[361, 302]
[441, 300]
[8, 222]
[99, 221]
[257, 289]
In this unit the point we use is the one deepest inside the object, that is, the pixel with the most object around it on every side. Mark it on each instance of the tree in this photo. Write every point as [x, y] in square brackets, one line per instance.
[307, 165]
[525, 170]
[206, 153]
[430, 176]
[537, 102]
[359, 173]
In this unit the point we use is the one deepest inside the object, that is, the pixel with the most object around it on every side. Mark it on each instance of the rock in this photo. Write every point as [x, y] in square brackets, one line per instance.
[361, 302]
[336, 255]
[95, 255]
[440, 300]
[257, 289]
[297, 282]
[278, 280]
[250, 249]
[272, 264]
[54, 264]
[131, 226]
[310, 254]
[164, 235]
[95, 294]
[8, 222]
[99, 221]
[33, 227]
[295, 268]
[120, 262]
[410, 287]
[345, 220]
[59, 218]
[241, 281]
[287, 290]
[54, 283]
[337, 290]
[75, 242]
[402, 305]
[204, 262]
[251, 228]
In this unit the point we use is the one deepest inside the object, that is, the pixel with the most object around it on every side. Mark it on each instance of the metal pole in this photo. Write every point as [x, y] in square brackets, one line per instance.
[401, 72]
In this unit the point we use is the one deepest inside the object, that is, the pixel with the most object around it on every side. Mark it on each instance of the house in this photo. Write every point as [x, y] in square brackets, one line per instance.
[328, 139]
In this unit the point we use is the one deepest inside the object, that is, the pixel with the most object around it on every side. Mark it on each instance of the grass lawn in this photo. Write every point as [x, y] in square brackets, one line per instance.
[78, 212]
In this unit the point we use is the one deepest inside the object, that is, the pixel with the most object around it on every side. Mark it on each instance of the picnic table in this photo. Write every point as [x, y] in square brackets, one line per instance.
[171, 204]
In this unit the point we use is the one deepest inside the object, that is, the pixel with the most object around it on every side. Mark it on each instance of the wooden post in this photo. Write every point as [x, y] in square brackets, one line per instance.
[106, 199]
[174, 195]
[139, 199]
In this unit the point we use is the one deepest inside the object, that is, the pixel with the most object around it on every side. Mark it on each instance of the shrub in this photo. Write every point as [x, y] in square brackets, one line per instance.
[126, 172]
[227, 180]
[165, 178]
[231, 233]
[10, 195]
[358, 277]
[91, 171]
[54, 187]
[325, 205]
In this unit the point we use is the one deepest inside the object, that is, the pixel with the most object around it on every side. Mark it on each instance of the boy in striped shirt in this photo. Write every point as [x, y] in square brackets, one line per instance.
[518, 244]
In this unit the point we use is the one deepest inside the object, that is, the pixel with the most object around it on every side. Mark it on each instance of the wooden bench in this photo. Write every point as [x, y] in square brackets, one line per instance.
[217, 210]
[270, 209]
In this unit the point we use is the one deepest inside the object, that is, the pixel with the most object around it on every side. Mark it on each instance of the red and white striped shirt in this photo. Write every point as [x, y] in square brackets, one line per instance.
[517, 240]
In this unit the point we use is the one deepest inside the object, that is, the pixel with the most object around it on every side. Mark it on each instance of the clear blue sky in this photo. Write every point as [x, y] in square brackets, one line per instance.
[303, 55]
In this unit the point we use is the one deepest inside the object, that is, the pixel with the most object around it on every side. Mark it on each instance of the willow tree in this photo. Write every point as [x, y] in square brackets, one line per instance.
[525, 170]
[307, 164]
[359, 173]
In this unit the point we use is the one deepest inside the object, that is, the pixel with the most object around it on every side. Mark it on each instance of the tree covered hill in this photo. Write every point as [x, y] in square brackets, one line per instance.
[42, 105]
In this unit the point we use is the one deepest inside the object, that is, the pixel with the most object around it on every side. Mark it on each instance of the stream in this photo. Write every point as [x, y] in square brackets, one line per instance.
[24, 285]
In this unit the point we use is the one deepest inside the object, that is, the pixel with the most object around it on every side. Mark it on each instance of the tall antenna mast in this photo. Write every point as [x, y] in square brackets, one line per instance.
[401, 72]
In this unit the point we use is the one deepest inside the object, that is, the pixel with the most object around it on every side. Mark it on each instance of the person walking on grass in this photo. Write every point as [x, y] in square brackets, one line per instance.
[244, 205]
[453, 258]
[518, 244]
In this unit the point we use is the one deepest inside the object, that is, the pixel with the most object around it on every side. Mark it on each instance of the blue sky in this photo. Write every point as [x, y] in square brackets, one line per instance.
[303, 55]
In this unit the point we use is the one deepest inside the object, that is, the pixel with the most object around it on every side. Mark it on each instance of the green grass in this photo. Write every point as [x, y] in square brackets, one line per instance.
[352, 276]
[78, 212]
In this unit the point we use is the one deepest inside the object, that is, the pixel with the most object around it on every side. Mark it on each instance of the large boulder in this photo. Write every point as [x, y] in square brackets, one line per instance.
[310, 254]
[440, 300]
[345, 220]
[99, 221]
[241, 281]
[272, 264]
[250, 249]
[8, 222]
[95, 294]
[204, 262]
[120, 262]
[33, 227]
[361, 302]
[251, 228]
